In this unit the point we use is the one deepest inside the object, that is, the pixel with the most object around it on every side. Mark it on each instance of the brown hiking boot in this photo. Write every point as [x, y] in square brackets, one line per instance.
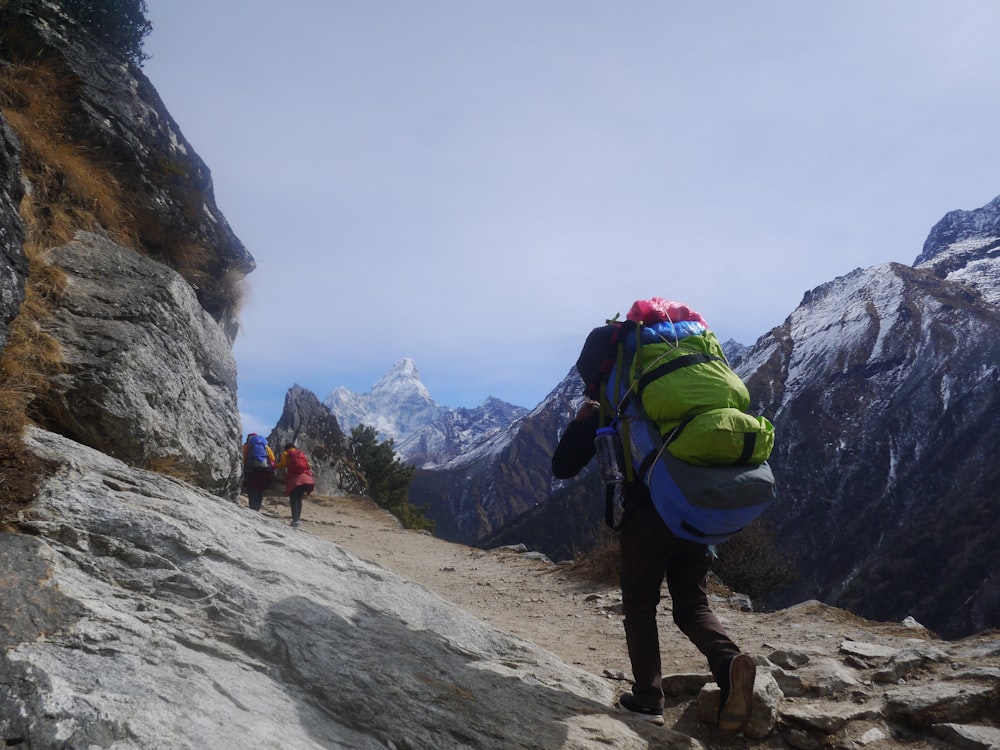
[736, 702]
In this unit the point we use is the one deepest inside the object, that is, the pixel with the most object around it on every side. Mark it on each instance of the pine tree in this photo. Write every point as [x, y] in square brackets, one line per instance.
[389, 478]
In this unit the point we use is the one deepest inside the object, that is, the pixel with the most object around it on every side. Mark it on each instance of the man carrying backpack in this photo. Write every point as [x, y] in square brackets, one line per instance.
[650, 553]
[298, 479]
[258, 468]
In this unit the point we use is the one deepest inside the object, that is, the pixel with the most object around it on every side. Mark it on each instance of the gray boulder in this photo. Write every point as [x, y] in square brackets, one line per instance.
[149, 376]
[138, 612]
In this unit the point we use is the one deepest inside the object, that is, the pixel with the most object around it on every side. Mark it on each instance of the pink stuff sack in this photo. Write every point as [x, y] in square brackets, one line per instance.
[649, 311]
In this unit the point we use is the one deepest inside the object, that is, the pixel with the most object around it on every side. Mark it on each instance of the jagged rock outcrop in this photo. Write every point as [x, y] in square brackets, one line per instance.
[960, 233]
[138, 612]
[148, 375]
[313, 429]
[878, 686]
[152, 185]
[13, 264]
[964, 247]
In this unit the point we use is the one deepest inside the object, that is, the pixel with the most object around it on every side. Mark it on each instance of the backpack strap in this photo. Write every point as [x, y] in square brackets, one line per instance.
[622, 425]
[695, 358]
[749, 443]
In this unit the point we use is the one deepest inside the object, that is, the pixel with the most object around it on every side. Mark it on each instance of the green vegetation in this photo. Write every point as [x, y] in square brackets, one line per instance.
[120, 26]
[389, 478]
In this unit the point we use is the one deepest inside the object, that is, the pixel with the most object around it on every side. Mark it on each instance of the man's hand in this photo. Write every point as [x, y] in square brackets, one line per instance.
[587, 409]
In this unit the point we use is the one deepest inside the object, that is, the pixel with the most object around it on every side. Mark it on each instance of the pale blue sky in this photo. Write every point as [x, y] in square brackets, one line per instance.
[477, 184]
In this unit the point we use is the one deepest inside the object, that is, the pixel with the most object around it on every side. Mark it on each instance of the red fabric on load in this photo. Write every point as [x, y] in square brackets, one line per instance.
[648, 311]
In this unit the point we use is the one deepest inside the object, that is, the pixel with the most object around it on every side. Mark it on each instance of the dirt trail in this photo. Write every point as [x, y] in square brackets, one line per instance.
[542, 602]
[535, 599]
[552, 607]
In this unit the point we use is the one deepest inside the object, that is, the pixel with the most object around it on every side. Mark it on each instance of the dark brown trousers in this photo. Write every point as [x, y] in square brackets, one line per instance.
[650, 553]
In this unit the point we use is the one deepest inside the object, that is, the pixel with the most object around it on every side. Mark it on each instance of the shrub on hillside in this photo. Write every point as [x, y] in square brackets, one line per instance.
[752, 562]
[389, 478]
[120, 26]
[598, 559]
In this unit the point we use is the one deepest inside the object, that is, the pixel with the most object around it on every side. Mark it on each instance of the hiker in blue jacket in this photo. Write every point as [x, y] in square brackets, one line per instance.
[258, 468]
[650, 553]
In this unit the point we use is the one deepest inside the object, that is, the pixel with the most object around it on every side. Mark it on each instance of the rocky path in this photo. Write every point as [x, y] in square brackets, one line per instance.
[844, 681]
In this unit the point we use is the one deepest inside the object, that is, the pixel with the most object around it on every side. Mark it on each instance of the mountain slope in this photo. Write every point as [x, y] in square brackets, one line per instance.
[491, 484]
[883, 385]
[457, 432]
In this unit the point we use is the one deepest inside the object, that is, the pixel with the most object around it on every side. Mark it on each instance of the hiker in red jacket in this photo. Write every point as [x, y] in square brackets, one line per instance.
[298, 479]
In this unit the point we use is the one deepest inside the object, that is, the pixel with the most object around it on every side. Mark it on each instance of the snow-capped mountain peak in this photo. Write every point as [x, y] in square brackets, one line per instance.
[397, 405]
[402, 380]
[400, 407]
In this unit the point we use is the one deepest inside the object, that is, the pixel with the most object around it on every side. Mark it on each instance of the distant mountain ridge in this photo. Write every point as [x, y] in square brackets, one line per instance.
[453, 435]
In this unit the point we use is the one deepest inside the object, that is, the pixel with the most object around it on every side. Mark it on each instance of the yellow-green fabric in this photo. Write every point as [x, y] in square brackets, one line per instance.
[690, 388]
[720, 437]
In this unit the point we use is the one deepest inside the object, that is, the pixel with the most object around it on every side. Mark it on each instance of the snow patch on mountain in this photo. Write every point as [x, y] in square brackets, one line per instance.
[838, 317]
[980, 226]
[457, 435]
[974, 261]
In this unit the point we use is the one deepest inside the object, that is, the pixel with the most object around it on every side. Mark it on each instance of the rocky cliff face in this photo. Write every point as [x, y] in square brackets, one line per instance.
[141, 178]
[147, 374]
[110, 231]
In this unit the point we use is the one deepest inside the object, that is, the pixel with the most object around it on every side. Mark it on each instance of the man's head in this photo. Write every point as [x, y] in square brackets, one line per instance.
[597, 358]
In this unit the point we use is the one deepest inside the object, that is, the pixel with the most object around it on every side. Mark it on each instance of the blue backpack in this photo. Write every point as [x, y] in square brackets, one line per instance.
[257, 453]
